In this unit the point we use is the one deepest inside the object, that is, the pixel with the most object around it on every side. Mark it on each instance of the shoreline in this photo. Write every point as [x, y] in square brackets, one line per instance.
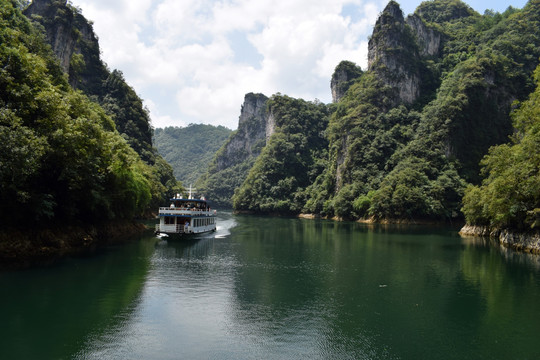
[518, 241]
[372, 221]
[24, 249]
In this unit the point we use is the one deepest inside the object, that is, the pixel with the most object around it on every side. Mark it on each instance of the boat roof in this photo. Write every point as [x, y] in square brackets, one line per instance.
[190, 200]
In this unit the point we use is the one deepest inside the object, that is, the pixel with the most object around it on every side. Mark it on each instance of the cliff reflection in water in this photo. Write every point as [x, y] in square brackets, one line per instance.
[345, 290]
[282, 288]
[49, 313]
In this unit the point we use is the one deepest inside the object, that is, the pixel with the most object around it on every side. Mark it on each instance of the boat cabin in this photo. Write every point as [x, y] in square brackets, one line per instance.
[186, 216]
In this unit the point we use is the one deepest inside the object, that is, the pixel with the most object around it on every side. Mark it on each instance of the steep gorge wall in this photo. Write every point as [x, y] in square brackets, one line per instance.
[393, 54]
[73, 41]
[76, 46]
[345, 74]
[233, 161]
[255, 126]
[429, 39]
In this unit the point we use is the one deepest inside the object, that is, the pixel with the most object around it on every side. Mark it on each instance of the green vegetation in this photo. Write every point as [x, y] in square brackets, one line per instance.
[61, 158]
[231, 164]
[189, 150]
[219, 185]
[290, 160]
[387, 157]
[68, 30]
[403, 142]
[509, 196]
[390, 161]
[345, 74]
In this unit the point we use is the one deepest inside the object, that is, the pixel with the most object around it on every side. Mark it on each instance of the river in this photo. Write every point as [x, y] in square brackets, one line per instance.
[279, 288]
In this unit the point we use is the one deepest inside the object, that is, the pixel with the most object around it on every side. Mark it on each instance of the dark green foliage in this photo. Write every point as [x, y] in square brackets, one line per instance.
[189, 150]
[129, 115]
[443, 11]
[219, 186]
[61, 158]
[411, 162]
[509, 196]
[288, 163]
[67, 29]
[417, 189]
[227, 172]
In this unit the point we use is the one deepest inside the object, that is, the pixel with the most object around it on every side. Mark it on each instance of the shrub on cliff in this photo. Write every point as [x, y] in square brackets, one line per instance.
[509, 196]
[61, 158]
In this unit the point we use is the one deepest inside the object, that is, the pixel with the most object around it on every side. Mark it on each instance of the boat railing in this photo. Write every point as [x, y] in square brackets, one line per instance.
[180, 210]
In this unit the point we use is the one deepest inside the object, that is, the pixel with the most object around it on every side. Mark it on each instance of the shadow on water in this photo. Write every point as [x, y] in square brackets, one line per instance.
[321, 289]
[46, 313]
[281, 288]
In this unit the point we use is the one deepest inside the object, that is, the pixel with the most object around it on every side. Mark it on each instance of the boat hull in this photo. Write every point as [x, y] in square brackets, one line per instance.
[184, 227]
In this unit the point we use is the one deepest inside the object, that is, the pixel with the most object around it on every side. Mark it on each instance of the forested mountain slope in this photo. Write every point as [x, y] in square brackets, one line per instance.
[406, 135]
[509, 196]
[62, 160]
[407, 154]
[189, 150]
[291, 159]
[76, 46]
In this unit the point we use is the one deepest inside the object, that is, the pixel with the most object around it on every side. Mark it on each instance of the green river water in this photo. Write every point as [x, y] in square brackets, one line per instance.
[279, 288]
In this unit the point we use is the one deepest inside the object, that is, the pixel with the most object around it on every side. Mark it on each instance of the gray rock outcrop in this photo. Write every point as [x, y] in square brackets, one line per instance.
[429, 39]
[527, 242]
[343, 77]
[393, 54]
[73, 41]
[255, 126]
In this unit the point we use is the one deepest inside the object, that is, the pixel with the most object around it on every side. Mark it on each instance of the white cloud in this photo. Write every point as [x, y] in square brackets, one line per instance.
[180, 56]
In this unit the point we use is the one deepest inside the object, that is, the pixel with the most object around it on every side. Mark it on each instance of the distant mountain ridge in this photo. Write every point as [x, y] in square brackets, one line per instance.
[190, 149]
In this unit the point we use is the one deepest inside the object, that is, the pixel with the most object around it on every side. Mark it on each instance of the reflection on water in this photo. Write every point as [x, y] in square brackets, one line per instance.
[47, 313]
[278, 288]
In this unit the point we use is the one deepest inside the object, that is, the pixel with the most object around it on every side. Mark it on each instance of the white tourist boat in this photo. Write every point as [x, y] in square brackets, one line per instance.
[186, 216]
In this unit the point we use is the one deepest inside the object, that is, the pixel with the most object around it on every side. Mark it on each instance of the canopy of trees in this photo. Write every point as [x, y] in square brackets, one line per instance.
[509, 196]
[413, 161]
[388, 158]
[61, 157]
[189, 150]
[290, 161]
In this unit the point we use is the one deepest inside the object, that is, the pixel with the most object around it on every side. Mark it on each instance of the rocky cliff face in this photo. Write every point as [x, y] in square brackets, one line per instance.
[344, 76]
[393, 54]
[72, 38]
[73, 41]
[234, 160]
[429, 39]
[526, 242]
[255, 126]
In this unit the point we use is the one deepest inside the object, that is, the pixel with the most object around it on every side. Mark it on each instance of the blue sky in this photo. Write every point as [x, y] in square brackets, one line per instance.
[192, 61]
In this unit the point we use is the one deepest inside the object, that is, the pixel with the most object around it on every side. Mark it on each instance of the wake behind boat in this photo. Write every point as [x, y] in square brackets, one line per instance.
[186, 216]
